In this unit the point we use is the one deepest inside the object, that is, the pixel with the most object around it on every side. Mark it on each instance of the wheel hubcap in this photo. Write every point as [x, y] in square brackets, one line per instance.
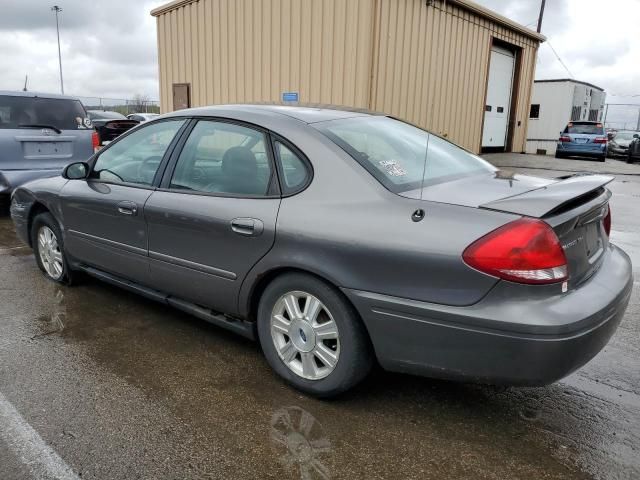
[305, 335]
[49, 251]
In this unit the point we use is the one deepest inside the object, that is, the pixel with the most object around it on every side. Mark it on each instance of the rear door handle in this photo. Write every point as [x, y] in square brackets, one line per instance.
[249, 227]
[127, 208]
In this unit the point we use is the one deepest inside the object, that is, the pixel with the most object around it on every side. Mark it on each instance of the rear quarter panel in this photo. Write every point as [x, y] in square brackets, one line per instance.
[350, 230]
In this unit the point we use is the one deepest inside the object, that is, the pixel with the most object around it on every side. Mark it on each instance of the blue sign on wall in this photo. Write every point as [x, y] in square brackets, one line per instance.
[290, 96]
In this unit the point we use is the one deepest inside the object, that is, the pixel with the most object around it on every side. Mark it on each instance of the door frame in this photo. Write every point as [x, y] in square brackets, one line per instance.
[515, 97]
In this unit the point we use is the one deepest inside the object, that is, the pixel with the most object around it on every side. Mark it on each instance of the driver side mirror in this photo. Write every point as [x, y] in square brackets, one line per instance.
[635, 135]
[76, 171]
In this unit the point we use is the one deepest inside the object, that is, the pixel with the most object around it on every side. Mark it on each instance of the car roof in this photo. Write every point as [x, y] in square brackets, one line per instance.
[9, 93]
[585, 122]
[307, 113]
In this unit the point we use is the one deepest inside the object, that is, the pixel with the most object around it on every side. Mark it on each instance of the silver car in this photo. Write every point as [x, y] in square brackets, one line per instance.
[40, 134]
[338, 239]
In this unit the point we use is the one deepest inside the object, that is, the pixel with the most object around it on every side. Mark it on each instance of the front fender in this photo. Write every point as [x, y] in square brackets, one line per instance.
[32, 198]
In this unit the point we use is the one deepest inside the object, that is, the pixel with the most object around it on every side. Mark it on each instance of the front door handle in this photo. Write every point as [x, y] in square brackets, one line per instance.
[249, 227]
[127, 208]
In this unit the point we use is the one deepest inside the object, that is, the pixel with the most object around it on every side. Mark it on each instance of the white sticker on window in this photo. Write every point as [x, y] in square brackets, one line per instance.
[392, 168]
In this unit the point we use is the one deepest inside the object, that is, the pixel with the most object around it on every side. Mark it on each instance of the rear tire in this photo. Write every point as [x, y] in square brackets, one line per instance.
[321, 347]
[560, 155]
[48, 246]
[603, 158]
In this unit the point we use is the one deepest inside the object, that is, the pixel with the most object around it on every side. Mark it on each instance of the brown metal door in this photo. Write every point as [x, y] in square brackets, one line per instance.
[181, 96]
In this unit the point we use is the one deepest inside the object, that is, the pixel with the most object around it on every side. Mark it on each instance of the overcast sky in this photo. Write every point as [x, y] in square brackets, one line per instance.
[109, 46]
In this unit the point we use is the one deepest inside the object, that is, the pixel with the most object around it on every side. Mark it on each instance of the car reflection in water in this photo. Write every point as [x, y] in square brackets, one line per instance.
[301, 442]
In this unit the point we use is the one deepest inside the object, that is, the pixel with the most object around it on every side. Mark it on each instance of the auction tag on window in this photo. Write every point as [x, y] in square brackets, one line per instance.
[392, 168]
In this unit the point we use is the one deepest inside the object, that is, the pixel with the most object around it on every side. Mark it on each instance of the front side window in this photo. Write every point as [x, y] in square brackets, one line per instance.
[402, 157]
[223, 158]
[135, 159]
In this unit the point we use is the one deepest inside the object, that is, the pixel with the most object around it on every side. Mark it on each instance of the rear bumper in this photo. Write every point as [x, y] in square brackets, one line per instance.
[11, 179]
[587, 149]
[514, 336]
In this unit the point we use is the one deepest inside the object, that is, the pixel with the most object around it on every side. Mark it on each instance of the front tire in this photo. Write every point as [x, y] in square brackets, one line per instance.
[312, 337]
[48, 246]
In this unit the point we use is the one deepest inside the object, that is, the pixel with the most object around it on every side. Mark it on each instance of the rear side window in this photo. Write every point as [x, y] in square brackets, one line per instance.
[402, 157]
[294, 170]
[585, 128]
[223, 158]
[29, 112]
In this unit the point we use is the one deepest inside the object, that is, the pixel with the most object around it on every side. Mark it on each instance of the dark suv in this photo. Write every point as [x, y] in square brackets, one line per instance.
[40, 134]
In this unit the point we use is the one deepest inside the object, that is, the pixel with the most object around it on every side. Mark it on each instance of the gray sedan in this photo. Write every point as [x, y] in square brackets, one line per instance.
[338, 239]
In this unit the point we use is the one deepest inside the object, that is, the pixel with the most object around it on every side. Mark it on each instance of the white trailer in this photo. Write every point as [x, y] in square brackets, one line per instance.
[554, 103]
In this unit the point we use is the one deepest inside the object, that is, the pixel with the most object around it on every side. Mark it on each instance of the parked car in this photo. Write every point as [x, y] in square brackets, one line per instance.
[584, 139]
[110, 125]
[142, 117]
[337, 238]
[618, 145]
[633, 153]
[39, 135]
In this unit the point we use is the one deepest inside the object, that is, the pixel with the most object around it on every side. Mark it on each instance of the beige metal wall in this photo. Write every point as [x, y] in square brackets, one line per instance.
[253, 50]
[431, 66]
[427, 64]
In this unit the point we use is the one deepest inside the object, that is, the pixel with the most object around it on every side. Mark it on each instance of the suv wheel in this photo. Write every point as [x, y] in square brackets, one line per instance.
[311, 336]
[48, 247]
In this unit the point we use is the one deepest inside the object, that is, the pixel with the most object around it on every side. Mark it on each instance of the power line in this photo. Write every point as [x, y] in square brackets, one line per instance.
[559, 59]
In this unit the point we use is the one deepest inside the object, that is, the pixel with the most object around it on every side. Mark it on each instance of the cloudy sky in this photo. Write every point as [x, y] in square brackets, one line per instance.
[109, 46]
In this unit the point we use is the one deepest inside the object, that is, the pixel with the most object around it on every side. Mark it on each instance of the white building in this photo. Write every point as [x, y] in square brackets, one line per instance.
[554, 103]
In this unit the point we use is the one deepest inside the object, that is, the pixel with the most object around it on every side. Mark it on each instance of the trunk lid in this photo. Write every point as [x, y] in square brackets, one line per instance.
[573, 206]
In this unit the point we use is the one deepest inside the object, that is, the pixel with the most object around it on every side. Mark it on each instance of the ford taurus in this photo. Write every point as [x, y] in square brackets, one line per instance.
[339, 239]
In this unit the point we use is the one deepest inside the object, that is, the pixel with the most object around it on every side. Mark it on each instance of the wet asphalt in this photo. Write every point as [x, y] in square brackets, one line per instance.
[120, 387]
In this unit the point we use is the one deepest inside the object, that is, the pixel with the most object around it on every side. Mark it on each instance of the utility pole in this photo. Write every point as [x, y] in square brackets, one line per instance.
[638, 128]
[57, 9]
[541, 15]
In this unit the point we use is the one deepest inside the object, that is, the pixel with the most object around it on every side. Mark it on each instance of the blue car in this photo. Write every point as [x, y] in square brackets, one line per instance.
[583, 139]
[40, 134]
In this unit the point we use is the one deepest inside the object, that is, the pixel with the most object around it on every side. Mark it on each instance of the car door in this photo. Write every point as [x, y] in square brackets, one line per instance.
[103, 214]
[215, 214]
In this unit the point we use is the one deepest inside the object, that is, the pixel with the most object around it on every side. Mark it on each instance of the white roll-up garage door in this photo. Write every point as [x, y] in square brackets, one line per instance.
[499, 87]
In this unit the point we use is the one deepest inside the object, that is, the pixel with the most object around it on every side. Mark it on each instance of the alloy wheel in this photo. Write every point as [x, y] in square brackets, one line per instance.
[50, 253]
[305, 335]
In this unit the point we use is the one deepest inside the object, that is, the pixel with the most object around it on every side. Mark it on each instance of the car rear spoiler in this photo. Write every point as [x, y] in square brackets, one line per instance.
[552, 198]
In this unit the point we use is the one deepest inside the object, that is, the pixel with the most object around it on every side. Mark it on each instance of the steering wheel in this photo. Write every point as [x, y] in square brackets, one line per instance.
[214, 187]
[144, 168]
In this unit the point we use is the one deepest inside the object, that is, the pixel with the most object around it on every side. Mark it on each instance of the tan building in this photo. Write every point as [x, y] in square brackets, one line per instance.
[450, 66]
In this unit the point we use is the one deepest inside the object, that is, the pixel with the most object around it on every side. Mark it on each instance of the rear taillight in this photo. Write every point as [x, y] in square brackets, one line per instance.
[95, 141]
[523, 251]
[600, 140]
[606, 222]
[565, 139]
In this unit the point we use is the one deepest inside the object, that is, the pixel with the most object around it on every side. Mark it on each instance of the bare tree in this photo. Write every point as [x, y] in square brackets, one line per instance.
[139, 103]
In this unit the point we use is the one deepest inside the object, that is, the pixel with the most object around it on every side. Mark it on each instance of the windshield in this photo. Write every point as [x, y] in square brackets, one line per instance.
[26, 112]
[93, 114]
[585, 128]
[625, 135]
[395, 152]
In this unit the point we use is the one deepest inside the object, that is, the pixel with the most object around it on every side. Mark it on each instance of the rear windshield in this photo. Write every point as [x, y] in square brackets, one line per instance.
[585, 128]
[402, 157]
[35, 112]
[93, 114]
